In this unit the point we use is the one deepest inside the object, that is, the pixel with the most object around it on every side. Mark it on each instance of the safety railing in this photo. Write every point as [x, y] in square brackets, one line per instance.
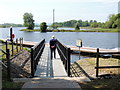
[36, 52]
[64, 53]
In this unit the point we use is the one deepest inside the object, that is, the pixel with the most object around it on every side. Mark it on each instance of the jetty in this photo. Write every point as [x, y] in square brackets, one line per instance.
[47, 72]
[53, 73]
[90, 49]
[83, 50]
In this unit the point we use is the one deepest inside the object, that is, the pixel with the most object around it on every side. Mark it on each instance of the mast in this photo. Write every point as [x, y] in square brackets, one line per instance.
[53, 18]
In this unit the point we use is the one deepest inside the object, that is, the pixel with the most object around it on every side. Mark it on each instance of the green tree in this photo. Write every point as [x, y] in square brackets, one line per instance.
[28, 20]
[110, 23]
[77, 27]
[80, 23]
[43, 27]
[94, 24]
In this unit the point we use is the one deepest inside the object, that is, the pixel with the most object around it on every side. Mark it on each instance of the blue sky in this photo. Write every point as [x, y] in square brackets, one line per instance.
[11, 11]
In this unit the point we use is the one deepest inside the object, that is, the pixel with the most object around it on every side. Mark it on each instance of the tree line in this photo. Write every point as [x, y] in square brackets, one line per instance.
[5, 25]
[112, 22]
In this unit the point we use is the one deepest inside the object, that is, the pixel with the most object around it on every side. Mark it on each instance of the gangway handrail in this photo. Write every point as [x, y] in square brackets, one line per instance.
[36, 52]
[64, 53]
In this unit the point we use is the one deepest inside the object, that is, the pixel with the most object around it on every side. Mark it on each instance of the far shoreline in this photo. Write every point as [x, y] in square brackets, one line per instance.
[62, 30]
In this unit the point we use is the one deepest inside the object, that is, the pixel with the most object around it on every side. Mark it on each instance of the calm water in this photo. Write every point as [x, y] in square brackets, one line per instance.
[90, 39]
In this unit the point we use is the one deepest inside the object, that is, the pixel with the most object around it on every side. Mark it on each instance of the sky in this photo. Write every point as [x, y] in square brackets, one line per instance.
[12, 11]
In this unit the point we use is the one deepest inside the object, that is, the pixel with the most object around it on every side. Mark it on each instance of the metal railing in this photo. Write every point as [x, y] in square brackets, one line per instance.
[64, 53]
[36, 52]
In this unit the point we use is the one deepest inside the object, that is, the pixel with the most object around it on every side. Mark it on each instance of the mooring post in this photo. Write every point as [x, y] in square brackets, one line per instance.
[97, 62]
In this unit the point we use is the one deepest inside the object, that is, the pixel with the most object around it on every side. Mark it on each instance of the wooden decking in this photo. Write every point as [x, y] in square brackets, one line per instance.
[50, 68]
[90, 49]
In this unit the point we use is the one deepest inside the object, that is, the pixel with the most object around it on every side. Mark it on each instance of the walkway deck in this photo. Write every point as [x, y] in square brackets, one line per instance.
[44, 68]
[50, 68]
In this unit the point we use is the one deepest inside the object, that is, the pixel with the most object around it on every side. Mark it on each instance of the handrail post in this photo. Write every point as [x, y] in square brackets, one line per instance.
[32, 62]
[8, 63]
[97, 62]
[68, 61]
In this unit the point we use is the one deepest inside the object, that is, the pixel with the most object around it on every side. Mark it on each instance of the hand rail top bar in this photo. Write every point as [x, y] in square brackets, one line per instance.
[38, 44]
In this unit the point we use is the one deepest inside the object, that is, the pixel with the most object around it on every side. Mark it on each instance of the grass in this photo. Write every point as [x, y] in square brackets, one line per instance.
[6, 84]
[10, 48]
[91, 62]
[105, 30]
[30, 30]
[108, 84]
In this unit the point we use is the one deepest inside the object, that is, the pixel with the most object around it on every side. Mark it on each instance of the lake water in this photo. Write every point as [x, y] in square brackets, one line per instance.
[90, 39]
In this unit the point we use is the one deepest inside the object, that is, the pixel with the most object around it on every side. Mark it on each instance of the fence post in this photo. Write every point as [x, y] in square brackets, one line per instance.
[17, 45]
[8, 63]
[68, 61]
[32, 62]
[6, 45]
[12, 47]
[20, 43]
[97, 62]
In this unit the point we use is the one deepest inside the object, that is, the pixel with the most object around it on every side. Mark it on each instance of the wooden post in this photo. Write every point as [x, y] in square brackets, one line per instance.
[68, 62]
[32, 62]
[12, 47]
[65, 61]
[17, 45]
[8, 63]
[11, 34]
[20, 43]
[6, 45]
[79, 53]
[97, 62]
